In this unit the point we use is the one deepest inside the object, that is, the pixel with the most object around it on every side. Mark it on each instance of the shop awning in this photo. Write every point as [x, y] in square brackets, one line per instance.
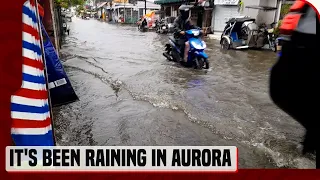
[102, 4]
[168, 1]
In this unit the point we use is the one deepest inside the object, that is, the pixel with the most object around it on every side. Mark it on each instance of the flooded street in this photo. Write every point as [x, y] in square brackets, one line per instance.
[131, 95]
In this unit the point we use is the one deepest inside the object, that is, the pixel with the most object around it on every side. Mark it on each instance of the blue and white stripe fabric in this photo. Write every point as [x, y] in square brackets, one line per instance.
[30, 111]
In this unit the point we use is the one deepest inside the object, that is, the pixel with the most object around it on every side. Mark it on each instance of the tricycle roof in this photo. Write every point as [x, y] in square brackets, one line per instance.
[240, 20]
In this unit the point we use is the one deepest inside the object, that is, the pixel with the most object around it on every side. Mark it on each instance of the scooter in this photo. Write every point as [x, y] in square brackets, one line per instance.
[142, 26]
[65, 27]
[197, 58]
[269, 36]
[161, 26]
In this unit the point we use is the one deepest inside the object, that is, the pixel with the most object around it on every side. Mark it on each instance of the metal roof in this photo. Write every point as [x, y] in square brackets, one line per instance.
[241, 20]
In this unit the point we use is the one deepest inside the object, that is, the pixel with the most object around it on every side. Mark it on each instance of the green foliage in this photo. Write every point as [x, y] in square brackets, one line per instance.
[80, 8]
[277, 29]
[284, 10]
[69, 3]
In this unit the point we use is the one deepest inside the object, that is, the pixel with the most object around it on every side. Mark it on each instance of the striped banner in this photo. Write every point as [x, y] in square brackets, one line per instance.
[30, 110]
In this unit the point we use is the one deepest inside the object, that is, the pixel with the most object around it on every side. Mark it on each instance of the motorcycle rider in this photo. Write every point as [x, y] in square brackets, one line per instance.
[181, 24]
[144, 22]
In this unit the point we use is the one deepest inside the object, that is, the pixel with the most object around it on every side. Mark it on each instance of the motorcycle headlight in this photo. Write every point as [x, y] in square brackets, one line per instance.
[198, 46]
[196, 33]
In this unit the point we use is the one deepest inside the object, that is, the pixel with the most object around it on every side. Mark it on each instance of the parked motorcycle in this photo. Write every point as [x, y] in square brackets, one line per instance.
[164, 25]
[270, 38]
[161, 26]
[65, 27]
[197, 58]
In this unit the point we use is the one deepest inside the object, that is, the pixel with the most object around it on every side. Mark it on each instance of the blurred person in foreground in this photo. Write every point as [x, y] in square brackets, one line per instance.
[294, 79]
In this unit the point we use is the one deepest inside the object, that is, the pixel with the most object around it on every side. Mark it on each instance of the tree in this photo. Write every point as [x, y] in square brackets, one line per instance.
[69, 3]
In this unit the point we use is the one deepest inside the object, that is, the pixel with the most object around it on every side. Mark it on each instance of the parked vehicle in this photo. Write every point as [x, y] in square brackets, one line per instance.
[160, 26]
[65, 27]
[270, 37]
[164, 25]
[243, 33]
[69, 16]
[170, 22]
[197, 58]
[86, 16]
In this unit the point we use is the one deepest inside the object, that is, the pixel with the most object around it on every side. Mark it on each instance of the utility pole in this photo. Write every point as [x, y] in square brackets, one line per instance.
[145, 7]
[124, 11]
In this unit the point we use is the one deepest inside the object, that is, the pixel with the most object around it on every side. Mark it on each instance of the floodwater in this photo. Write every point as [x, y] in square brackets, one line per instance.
[131, 95]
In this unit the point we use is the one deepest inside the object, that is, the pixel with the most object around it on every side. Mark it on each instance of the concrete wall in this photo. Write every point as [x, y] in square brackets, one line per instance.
[267, 17]
[260, 15]
[253, 13]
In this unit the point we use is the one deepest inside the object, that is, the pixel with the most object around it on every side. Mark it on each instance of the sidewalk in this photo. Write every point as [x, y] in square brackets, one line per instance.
[216, 36]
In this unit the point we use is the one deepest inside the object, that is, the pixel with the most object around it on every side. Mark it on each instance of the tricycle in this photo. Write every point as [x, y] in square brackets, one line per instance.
[244, 33]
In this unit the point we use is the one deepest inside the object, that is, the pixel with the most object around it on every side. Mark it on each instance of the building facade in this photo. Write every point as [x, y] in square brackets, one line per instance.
[224, 10]
[126, 11]
[200, 14]
[264, 11]
[214, 14]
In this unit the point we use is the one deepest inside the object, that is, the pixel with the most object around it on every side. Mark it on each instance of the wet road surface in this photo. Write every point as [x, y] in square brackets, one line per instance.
[130, 95]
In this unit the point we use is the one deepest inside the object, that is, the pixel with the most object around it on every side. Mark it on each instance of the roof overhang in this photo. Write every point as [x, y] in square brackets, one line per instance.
[264, 8]
[101, 5]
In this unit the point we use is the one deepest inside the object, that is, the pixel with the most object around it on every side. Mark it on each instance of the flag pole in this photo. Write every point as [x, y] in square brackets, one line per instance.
[45, 69]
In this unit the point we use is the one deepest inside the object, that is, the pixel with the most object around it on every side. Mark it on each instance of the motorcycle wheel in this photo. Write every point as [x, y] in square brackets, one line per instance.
[169, 52]
[207, 64]
[175, 56]
[160, 30]
[225, 44]
[273, 46]
[199, 63]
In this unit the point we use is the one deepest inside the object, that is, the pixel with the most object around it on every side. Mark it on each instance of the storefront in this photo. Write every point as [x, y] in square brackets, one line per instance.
[170, 7]
[223, 11]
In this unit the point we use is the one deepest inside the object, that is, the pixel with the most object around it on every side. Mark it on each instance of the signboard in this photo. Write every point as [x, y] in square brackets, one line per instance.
[226, 2]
